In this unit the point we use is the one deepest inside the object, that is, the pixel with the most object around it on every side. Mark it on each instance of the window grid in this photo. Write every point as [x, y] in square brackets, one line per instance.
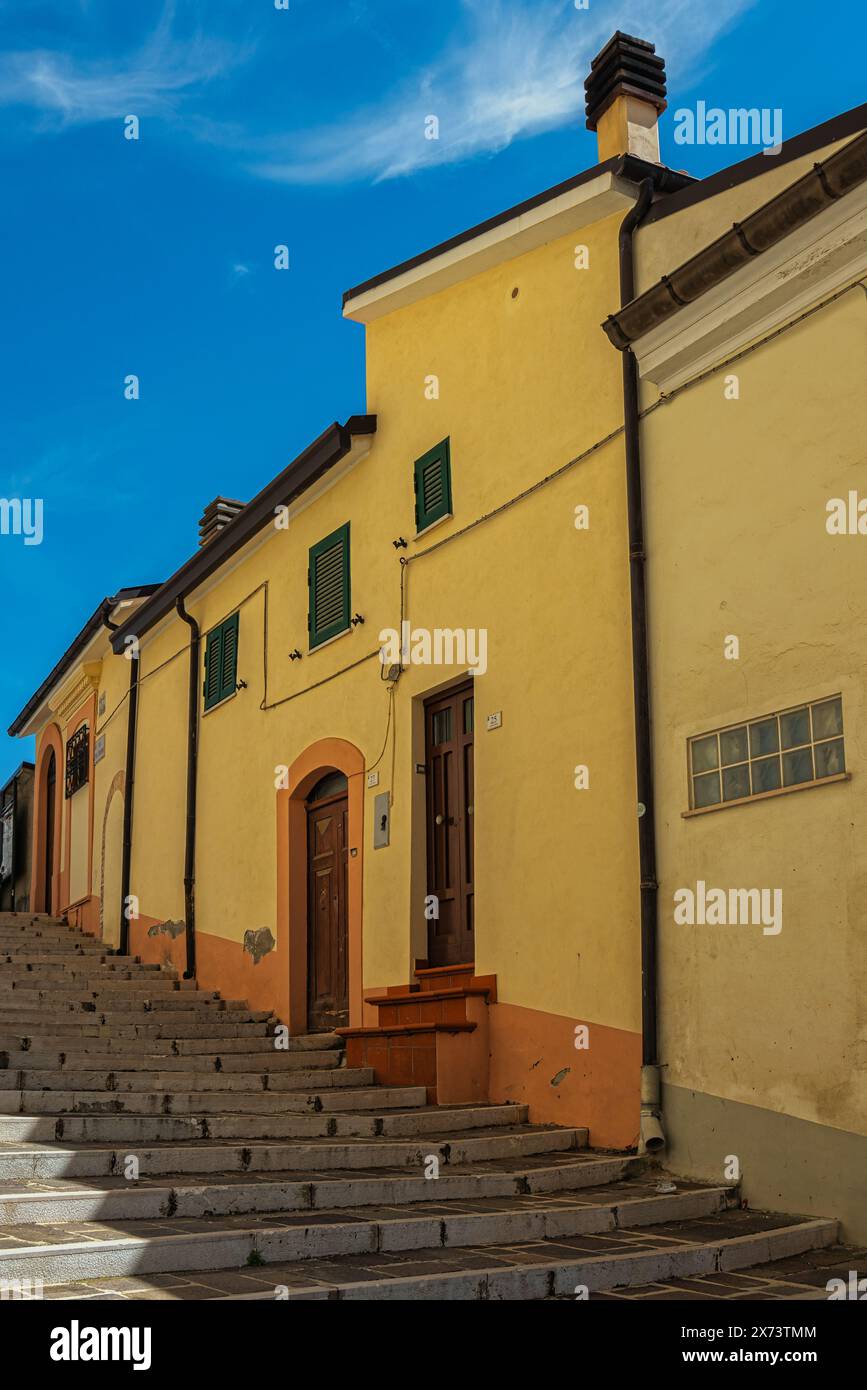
[790, 748]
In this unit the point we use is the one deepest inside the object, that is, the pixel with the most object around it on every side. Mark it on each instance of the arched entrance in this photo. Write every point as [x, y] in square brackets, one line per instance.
[45, 885]
[327, 903]
[320, 844]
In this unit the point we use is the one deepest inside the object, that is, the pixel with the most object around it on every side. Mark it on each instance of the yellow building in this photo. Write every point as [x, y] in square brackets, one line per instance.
[752, 355]
[378, 756]
[383, 717]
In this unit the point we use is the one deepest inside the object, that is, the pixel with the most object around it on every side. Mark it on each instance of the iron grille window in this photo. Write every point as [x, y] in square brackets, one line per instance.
[793, 748]
[77, 760]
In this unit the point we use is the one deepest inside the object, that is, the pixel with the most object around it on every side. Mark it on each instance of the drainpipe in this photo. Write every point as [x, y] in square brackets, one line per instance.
[192, 763]
[652, 1137]
[129, 778]
[16, 853]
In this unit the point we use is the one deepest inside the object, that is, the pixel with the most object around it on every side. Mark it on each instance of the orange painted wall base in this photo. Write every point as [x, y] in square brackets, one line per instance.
[220, 964]
[534, 1060]
[83, 914]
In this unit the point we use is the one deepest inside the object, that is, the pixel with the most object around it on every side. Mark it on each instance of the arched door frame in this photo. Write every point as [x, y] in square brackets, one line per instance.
[51, 742]
[328, 754]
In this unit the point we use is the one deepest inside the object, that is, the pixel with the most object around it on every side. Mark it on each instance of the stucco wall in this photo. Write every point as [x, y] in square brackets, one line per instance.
[736, 493]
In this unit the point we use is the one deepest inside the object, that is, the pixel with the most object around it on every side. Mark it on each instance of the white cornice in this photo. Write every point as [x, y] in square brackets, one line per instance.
[82, 681]
[578, 207]
[822, 256]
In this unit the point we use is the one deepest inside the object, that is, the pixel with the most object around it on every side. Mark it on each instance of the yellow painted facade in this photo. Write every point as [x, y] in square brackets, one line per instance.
[556, 871]
[762, 1037]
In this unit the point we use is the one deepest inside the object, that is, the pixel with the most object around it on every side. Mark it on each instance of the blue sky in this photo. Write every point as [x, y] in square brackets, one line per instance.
[258, 127]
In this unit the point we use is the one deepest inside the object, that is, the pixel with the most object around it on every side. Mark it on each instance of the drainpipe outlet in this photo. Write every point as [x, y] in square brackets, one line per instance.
[651, 1134]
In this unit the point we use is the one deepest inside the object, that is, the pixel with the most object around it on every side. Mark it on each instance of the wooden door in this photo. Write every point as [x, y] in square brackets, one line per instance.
[50, 808]
[327, 991]
[449, 724]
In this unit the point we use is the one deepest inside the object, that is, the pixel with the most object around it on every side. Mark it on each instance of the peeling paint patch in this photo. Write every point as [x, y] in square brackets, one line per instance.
[561, 1075]
[171, 929]
[258, 943]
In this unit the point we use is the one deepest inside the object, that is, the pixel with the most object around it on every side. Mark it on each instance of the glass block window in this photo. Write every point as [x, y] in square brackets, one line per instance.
[788, 749]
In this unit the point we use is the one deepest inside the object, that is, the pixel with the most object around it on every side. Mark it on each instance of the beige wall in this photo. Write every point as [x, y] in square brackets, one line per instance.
[736, 494]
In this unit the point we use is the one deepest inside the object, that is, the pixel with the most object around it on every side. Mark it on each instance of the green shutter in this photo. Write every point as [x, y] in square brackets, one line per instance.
[433, 486]
[221, 661]
[328, 584]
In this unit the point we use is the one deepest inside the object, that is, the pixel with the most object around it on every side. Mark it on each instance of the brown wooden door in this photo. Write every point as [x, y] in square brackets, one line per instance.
[327, 992]
[449, 782]
[50, 795]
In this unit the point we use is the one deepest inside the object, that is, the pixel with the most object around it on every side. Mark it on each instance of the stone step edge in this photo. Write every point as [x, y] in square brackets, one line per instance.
[171, 1196]
[375, 1236]
[565, 1278]
[557, 1277]
[471, 1142]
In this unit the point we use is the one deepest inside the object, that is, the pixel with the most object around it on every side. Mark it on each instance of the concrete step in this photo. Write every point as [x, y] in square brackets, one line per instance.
[136, 1128]
[294, 1079]
[91, 1250]
[33, 1201]
[104, 992]
[145, 1023]
[35, 1161]
[63, 938]
[77, 974]
[193, 1054]
[46, 950]
[174, 1100]
[730, 1241]
[116, 996]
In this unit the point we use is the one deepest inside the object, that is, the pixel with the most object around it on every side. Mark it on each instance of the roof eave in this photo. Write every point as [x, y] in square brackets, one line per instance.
[826, 183]
[79, 644]
[332, 445]
[623, 168]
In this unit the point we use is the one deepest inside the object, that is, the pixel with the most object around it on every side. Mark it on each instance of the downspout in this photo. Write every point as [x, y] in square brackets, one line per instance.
[652, 1137]
[131, 654]
[15, 851]
[192, 763]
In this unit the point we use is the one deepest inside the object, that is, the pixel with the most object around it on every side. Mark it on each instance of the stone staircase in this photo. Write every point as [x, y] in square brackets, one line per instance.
[155, 1142]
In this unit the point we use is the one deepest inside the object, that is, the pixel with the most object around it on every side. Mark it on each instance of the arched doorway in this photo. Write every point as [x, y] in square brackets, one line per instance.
[45, 886]
[327, 806]
[307, 787]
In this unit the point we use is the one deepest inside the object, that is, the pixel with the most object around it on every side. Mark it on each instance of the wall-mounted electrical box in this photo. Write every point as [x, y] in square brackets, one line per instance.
[381, 820]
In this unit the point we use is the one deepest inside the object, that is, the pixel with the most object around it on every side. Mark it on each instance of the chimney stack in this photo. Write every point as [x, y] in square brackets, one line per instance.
[216, 516]
[625, 98]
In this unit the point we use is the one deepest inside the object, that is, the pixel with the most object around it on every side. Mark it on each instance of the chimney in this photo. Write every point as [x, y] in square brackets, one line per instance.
[216, 516]
[625, 98]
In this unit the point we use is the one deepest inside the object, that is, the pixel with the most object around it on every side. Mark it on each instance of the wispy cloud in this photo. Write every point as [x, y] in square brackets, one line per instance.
[516, 69]
[147, 81]
[509, 69]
